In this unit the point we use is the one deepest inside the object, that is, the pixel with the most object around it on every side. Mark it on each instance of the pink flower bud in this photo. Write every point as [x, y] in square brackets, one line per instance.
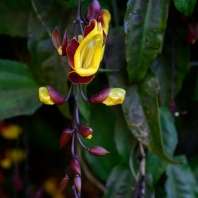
[75, 165]
[77, 182]
[63, 184]
[55, 96]
[86, 132]
[97, 151]
[65, 137]
[101, 96]
[93, 10]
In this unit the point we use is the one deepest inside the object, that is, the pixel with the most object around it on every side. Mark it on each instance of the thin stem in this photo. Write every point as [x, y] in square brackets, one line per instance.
[82, 93]
[173, 70]
[39, 17]
[115, 12]
[79, 140]
[73, 149]
[69, 93]
[109, 70]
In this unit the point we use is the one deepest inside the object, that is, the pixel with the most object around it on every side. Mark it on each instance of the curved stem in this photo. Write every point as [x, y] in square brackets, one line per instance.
[79, 140]
[82, 93]
[69, 93]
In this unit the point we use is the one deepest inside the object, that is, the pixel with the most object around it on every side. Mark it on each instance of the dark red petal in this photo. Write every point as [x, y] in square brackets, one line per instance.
[63, 184]
[64, 43]
[56, 39]
[65, 137]
[76, 79]
[93, 10]
[55, 96]
[85, 131]
[89, 27]
[101, 96]
[98, 151]
[77, 182]
[75, 165]
[71, 50]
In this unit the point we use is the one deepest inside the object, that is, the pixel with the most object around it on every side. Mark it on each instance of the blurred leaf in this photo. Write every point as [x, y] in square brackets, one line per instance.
[181, 182]
[68, 4]
[185, 6]
[154, 164]
[49, 68]
[162, 66]
[120, 183]
[141, 105]
[193, 162]
[14, 17]
[102, 122]
[145, 25]
[18, 90]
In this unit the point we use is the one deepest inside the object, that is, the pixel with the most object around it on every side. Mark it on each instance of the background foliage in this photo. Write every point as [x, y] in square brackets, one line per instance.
[146, 40]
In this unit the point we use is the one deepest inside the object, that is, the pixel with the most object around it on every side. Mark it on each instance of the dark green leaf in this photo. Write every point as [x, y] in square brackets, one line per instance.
[18, 90]
[193, 164]
[141, 104]
[102, 122]
[49, 68]
[145, 25]
[181, 182]
[155, 165]
[14, 17]
[120, 183]
[185, 6]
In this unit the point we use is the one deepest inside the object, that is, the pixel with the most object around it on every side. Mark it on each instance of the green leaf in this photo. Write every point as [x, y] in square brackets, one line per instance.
[14, 17]
[154, 164]
[181, 182]
[144, 25]
[120, 183]
[18, 90]
[162, 65]
[102, 122]
[49, 68]
[193, 161]
[185, 6]
[141, 104]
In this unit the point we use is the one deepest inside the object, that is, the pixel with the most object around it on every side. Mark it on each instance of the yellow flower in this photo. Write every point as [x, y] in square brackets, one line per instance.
[116, 96]
[11, 131]
[44, 96]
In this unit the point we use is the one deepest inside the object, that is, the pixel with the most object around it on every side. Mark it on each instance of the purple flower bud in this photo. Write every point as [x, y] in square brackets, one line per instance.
[93, 10]
[86, 132]
[175, 110]
[97, 151]
[65, 137]
[55, 96]
[63, 184]
[77, 182]
[100, 97]
[75, 165]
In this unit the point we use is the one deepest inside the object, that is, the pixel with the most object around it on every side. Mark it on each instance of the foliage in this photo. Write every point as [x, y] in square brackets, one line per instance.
[151, 52]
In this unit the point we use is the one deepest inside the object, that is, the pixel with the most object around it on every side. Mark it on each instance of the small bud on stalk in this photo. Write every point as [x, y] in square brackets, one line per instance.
[86, 132]
[63, 184]
[75, 165]
[77, 182]
[97, 151]
[65, 137]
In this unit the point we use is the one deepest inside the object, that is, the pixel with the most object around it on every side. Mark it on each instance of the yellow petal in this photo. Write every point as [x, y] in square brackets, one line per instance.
[60, 51]
[116, 96]
[11, 131]
[89, 136]
[16, 155]
[44, 96]
[106, 18]
[5, 163]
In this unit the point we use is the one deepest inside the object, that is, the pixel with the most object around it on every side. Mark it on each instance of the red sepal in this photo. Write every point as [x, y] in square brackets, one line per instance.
[76, 79]
[55, 96]
[93, 10]
[71, 50]
[65, 137]
[100, 97]
[98, 151]
[64, 44]
[75, 165]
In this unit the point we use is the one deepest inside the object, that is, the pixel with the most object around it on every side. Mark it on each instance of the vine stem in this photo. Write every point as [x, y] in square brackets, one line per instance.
[40, 18]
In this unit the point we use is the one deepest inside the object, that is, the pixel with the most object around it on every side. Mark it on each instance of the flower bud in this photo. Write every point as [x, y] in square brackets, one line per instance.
[97, 151]
[63, 183]
[77, 182]
[116, 96]
[55, 96]
[93, 10]
[59, 46]
[101, 96]
[44, 96]
[191, 35]
[65, 137]
[75, 165]
[86, 132]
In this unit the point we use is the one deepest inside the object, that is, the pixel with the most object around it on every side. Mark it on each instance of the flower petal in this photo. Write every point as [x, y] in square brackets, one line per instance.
[44, 96]
[71, 50]
[56, 39]
[76, 79]
[104, 18]
[64, 43]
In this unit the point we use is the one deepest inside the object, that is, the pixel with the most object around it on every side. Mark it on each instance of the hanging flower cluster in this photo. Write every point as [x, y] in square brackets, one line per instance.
[85, 51]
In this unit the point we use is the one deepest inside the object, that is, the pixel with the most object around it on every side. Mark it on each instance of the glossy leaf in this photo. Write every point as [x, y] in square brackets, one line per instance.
[185, 6]
[154, 164]
[144, 25]
[120, 183]
[18, 90]
[181, 182]
[49, 68]
[141, 104]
